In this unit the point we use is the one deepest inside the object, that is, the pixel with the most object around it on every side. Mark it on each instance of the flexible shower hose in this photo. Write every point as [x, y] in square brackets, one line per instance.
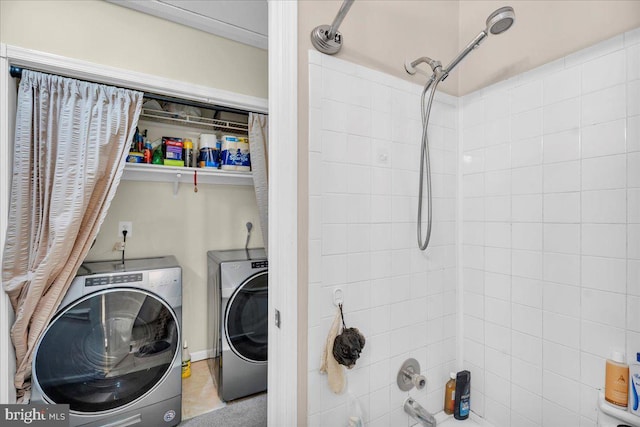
[425, 163]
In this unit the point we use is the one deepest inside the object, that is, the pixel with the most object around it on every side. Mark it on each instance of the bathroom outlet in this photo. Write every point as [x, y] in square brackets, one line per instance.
[125, 225]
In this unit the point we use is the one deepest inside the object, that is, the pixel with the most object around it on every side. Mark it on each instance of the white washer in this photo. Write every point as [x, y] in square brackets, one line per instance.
[238, 298]
[112, 351]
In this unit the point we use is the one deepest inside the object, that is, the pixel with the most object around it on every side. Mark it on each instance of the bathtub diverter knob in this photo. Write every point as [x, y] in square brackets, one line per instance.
[409, 376]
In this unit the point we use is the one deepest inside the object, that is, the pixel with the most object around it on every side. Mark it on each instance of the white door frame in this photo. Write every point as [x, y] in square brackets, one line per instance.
[283, 213]
[7, 354]
[282, 179]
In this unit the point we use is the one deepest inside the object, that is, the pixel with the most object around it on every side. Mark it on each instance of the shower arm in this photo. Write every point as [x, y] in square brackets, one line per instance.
[346, 5]
[326, 38]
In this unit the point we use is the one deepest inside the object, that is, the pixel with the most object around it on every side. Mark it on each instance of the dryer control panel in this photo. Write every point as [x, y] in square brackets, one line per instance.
[260, 264]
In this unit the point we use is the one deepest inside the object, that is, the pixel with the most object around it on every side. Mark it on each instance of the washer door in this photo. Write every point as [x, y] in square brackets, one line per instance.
[246, 319]
[106, 350]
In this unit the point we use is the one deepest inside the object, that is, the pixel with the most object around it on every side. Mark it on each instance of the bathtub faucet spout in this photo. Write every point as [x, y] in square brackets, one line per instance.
[418, 413]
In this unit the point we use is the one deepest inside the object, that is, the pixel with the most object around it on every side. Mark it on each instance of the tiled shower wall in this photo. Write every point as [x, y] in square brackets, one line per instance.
[551, 234]
[363, 175]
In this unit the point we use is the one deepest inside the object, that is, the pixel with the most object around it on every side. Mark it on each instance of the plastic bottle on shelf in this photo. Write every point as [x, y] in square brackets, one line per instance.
[147, 153]
[187, 153]
[157, 155]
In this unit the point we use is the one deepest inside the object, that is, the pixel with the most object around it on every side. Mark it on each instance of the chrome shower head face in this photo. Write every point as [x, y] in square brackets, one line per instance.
[501, 20]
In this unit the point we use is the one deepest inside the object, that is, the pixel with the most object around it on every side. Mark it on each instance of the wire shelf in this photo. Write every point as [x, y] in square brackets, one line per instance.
[194, 121]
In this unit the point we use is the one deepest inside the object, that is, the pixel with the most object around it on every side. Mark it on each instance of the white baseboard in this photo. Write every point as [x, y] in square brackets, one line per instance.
[201, 355]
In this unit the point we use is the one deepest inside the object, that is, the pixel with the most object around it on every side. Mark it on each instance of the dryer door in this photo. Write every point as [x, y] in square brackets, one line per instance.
[106, 350]
[246, 319]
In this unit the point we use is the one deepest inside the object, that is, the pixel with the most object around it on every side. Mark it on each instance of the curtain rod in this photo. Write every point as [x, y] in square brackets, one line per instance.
[16, 72]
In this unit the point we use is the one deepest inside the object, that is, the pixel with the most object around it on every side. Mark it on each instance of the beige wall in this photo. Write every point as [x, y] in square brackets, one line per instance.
[383, 34]
[108, 34]
[188, 224]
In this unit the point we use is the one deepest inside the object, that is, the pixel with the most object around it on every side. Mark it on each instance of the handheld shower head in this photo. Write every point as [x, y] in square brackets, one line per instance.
[500, 20]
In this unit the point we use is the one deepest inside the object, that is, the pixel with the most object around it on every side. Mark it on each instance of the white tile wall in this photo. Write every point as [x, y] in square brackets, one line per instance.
[550, 268]
[363, 181]
[566, 244]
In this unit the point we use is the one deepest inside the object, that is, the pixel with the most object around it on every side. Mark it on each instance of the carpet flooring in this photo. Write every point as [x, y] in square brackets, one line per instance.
[251, 412]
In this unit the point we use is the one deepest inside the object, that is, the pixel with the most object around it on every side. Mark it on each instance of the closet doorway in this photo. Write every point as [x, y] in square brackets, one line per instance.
[282, 107]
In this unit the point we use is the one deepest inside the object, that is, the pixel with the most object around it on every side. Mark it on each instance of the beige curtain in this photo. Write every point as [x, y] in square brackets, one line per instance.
[70, 148]
[259, 148]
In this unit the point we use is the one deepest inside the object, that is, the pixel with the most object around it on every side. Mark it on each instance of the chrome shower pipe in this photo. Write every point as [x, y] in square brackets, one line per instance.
[344, 9]
[326, 38]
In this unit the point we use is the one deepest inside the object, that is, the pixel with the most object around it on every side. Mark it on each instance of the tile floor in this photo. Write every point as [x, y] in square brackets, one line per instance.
[199, 395]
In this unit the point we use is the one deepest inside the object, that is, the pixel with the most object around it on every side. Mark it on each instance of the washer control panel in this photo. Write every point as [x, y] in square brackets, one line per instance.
[114, 279]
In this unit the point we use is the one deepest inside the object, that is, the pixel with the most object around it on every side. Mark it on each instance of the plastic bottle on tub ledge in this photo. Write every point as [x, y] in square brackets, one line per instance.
[450, 394]
[462, 404]
[634, 386]
[616, 388]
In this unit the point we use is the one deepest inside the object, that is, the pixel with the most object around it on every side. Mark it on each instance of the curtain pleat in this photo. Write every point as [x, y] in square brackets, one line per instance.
[71, 143]
[259, 148]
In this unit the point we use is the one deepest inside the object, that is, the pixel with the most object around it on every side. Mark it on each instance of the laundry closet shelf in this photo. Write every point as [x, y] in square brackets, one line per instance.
[202, 123]
[177, 175]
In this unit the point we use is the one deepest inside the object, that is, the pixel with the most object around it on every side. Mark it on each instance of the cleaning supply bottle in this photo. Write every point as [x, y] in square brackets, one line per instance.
[634, 386]
[450, 394]
[156, 157]
[187, 153]
[186, 361]
[462, 403]
[616, 386]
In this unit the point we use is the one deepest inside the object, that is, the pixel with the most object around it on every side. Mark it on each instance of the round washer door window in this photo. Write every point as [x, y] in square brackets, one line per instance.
[246, 322]
[106, 350]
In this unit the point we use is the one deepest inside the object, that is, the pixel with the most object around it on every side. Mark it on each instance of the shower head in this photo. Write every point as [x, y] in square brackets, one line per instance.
[498, 22]
[501, 20]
